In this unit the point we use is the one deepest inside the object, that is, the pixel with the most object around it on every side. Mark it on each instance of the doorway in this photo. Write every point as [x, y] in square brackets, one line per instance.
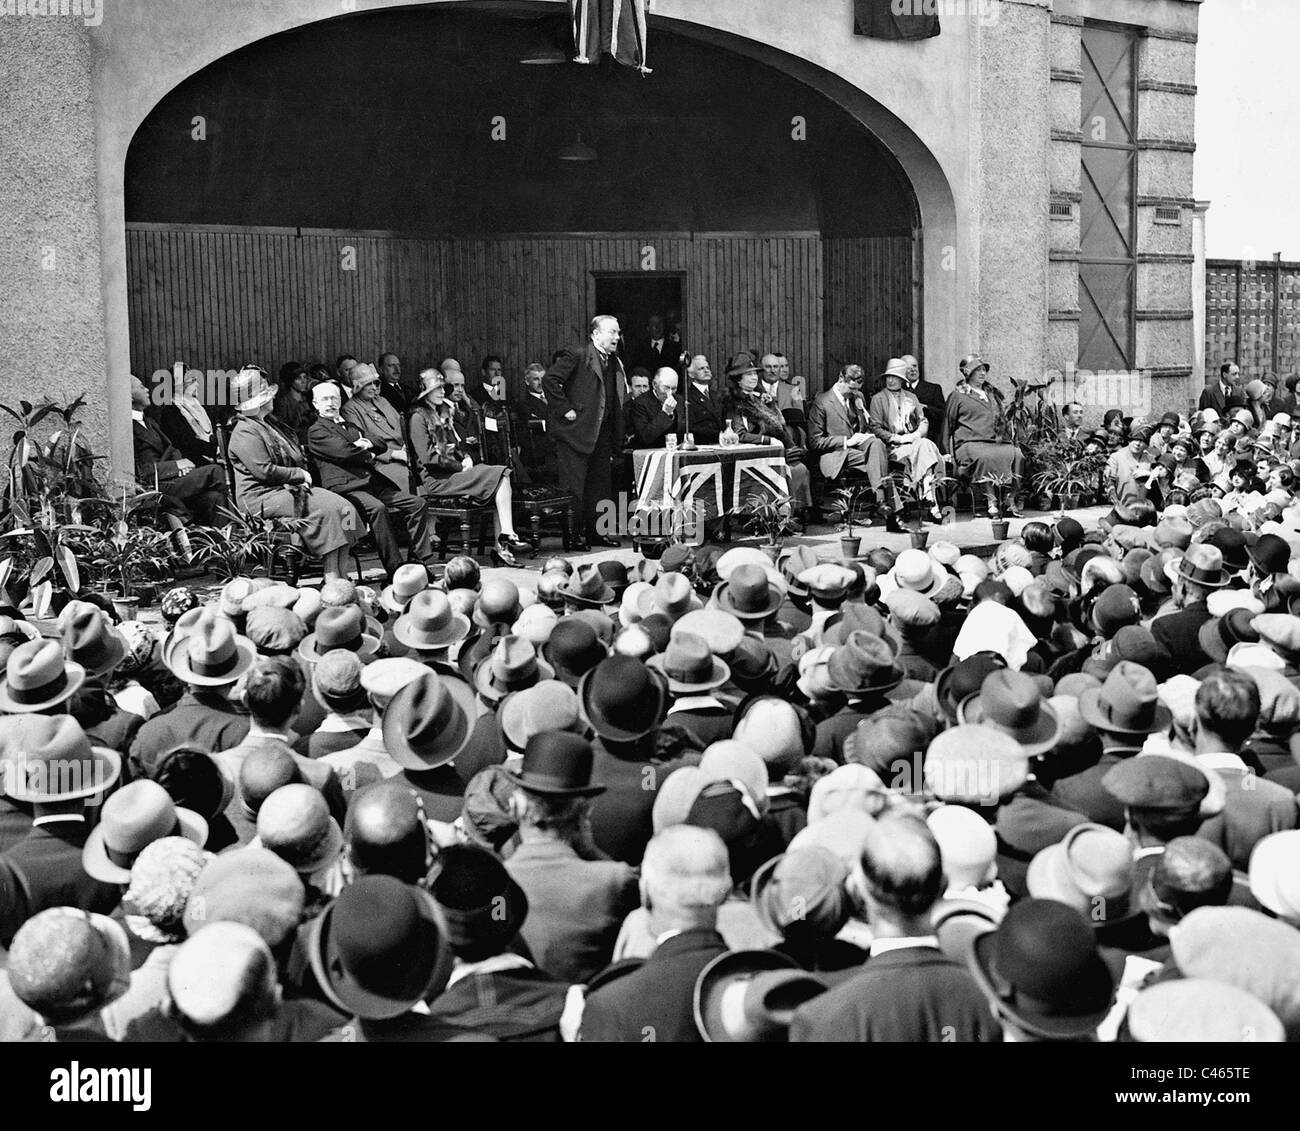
[633, 297]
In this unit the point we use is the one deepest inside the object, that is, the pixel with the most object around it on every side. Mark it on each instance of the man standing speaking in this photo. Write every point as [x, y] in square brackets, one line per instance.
[584, 413]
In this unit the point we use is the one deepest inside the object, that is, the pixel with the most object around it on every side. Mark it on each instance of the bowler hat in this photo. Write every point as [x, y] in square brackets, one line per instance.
[498, 603]
[1011, 702]
[482, 906]
[573, 650]
[1271, 554]
[339, 627]
[1126, 703]
[623, 699]
[750, 996]
[429, 623]
[378, 949]
[1042, 969]
[557, 764]
[37, 676]
[512, 666]
[1218, 635]
[749, 593]
[689, 665]
[132, 818]
[387, 832]
[48, 758]
[427, 723]
[1232, 545]
[90, 642]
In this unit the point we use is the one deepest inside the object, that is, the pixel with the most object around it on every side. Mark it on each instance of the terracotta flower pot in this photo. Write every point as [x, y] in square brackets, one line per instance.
[850, 547]
[1001, 529]
[919, 538]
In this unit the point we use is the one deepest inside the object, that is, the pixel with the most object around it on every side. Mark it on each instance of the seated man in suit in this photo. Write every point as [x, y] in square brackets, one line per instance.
[656, 413]
[839, 431]
[791, 392]
[932, 398]
[346, 460]
[187, 488]
[537, 447]
[706, 418]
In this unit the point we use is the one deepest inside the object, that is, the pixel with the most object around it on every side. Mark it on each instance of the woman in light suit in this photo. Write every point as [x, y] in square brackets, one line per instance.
[898, 419]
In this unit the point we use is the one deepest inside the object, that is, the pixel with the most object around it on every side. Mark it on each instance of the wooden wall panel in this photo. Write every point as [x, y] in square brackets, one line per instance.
[217, 297]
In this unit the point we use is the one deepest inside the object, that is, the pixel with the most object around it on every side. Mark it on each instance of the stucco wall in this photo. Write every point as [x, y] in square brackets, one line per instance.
[51, 315]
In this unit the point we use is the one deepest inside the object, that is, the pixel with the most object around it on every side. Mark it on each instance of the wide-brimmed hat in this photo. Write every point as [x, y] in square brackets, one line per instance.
[1127, 703]
[1042, 968]
[623, 699]
[1203, 564]
[379, 948]
[1091, 870]
[428, 722]
[689, 665]
[251, 389]
[864, 665]
[213, 654]
[548, 705]
[49, 758]
[1219, 634]
[512, 666]
[740, 365]
[37, 676]
[89, 641]
[915, 569]
[133, 818]
[749, 593]
[408, 580]
[339, 627]
[672, 595]
[481, 905]
[573, 650]
[1012, 702]
[587, 587]
[429, 623]
[557, 764]
[750, 996]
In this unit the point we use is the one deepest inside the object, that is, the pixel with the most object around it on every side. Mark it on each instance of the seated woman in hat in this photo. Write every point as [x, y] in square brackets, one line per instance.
[897, 418]
[756, 419]
[447, 471]
[1130, 472]
[977, 432]
[272, 480]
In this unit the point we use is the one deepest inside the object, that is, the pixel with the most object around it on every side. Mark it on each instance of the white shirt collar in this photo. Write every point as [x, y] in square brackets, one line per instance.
[137, 416]
[695, 703]
[881, 946]
[493, 965]
[1221, 760]
[51, 818]
[1148, 850]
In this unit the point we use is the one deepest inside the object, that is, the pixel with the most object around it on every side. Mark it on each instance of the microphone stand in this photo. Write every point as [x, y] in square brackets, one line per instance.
[688, 441]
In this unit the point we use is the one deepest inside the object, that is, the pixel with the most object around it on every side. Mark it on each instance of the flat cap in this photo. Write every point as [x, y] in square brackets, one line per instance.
[1152, 781]
[912, 609]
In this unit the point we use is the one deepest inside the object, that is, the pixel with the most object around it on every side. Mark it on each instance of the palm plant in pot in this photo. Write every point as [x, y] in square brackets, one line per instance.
[916, 502]
[770, 517]
[132, 556]
[848, 501]
[998, 484]
[247, 543]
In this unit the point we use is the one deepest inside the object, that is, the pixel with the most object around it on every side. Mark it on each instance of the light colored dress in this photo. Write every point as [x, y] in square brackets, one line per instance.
[900, 414]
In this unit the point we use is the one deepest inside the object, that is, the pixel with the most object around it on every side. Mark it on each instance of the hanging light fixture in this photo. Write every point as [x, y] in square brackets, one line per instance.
[577, 151]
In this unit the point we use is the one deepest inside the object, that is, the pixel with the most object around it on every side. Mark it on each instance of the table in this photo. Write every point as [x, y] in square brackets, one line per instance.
[709, 483]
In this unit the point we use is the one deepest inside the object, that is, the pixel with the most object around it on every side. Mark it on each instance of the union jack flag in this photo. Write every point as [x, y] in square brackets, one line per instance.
[764, 476]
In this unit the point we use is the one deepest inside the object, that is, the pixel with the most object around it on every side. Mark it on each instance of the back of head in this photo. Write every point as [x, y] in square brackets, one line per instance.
[386, 833]
[902, 867]
[222, 984]
[685, 875]
[774, 730]
[1227, 705]
[67, 964]
[273, 690]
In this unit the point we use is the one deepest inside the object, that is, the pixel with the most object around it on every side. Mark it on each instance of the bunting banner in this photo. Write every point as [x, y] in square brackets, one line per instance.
[610, 27]
[896, 19]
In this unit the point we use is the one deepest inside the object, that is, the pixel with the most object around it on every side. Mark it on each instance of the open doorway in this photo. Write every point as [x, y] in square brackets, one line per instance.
[633, 298]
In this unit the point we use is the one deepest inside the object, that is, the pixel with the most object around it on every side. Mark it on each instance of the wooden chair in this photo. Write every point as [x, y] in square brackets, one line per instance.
[465, 514]
[541, 504]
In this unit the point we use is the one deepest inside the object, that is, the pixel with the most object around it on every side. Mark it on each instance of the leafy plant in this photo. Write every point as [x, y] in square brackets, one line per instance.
[245, 543]
[998, 483]
[912, 495]
[848, 503]
[770, 516]
[131, 554]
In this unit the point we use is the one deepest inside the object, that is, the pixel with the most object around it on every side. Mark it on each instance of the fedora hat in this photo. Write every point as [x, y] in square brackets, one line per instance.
[750, 996]
[1042, 970]
[184, 626]
[864, 665]
[1218, 635]
[378, 949]
[37, 676]
[623, 699]
[1091, 870]
[1127, 703]
[750, 593]
[89, 641]
[49, 758]
[429, 623]
[629, 605]
[16, 625]
[427, 723]
[557, 764]
[1203, 564]
[482, 906]
[587, 587]
[672, 595]
[741, 364]
[689, 665]
[339, 626]
[1012, 702]
[212, 655]
[408, 580]
[512, 666]
[138, 814]
[573, 650]
[548, 705]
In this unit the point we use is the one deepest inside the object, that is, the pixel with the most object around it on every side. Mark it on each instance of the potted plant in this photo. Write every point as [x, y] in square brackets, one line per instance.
[998, 483]
[847, 501]
[771, 517]
[655, 526]
[247, 543]
[914, 504]
[131, 555]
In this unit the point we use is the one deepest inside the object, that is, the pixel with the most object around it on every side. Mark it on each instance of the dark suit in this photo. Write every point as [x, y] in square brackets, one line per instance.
[914, 994]
[667, 356]
[575, 907]
[649, 424]
[621, 822]
[198, 491]
[1179, 633]
[48, 864]
[172, 422]
[655, 1002]
[934, 405]
[829, 423]
[202, 720]
[1253, 808]
[706, 418]
[510, 1005]
[1084, 793]
[1213, 396]
[535, 441]
[350, 471]
[593, 389]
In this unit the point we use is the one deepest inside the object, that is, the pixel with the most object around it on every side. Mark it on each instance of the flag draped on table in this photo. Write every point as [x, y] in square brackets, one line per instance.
[895, 19]
[763, 476]
[610, 27]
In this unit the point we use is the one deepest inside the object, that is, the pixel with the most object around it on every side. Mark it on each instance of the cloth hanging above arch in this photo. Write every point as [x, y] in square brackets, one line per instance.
[896, 19]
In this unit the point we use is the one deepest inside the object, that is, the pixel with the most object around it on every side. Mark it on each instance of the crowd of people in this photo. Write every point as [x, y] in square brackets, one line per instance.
[1045, 795]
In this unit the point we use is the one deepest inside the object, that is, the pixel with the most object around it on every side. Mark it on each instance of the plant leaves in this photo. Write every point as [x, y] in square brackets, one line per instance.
[41, 597]
[40, 569]
[68, 564]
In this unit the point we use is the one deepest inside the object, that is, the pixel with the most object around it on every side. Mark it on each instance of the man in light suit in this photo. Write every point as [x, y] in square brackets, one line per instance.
[839, 432]
[585, 389]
